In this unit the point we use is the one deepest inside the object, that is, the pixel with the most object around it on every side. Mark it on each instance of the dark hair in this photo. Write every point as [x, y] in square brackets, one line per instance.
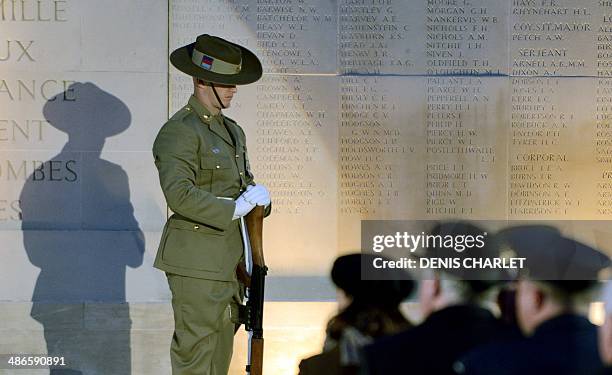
[373, 321]
[386, 289]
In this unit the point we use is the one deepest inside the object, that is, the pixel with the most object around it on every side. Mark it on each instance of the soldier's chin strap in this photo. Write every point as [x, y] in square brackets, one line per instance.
[217, 95]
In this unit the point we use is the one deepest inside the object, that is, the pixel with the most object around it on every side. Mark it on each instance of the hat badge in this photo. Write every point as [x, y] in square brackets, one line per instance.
[207, 62]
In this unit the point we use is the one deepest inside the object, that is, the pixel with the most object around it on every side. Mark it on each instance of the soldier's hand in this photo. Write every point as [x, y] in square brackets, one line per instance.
[243, 207]
[257, 195]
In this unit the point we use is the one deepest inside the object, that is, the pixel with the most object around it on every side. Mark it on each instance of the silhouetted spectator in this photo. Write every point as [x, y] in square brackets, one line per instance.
[552, 301]
[506, 301]
[455, 319]
[369, 309]
[605, 331]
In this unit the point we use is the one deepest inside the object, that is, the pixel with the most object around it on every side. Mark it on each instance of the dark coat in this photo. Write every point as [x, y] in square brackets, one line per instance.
[347, 333]
[327, 363]
[433, 346]
[562, 346]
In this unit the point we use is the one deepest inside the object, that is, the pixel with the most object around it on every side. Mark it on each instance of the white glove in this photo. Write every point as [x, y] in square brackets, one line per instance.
[257, 195]
[242, 207]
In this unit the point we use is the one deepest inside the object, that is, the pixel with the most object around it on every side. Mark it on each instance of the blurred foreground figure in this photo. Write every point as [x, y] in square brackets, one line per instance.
[552, 301]
[368, 309]
[455, 317]
[605, 331]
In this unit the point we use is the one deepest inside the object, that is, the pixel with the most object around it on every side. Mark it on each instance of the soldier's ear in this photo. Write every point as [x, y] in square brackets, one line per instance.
[437, 288]
[199, 82]
[539, 298]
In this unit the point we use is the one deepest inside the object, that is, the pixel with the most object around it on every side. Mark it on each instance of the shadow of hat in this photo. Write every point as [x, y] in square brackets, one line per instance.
[346, 274]
[92, 113]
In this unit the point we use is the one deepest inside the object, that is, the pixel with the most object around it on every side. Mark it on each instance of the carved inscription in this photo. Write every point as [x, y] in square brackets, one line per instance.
[602, 143]
[603, 121]
[289, 36]
[22, 125]
[38, 171]
[456, 33]
[17, 90]
[16, 50]
[282, 28]
[460, 157]
[371, 33]
[603, 40]
[10, 210]
[284, 147]
[545, 37]
[372, 148]
[479, 130]
[540, 185]
[33, 10]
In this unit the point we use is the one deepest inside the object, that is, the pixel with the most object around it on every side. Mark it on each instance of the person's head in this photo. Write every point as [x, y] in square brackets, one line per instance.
[538, 301]
[560, 274]
[216, 65]
[440, 290]
[389, 292]
[443, 287]
[369, 305]
[605, 331]
[205, 92]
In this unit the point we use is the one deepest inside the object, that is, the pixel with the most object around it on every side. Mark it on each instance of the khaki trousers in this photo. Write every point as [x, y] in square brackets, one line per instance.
[203, 338]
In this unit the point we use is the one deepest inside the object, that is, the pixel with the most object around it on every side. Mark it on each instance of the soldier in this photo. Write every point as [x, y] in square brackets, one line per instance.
[552, 300]
[204, 172]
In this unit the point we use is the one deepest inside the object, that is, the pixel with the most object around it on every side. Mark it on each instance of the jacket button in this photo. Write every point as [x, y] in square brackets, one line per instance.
[241, 173]
[218, 166]
[237, 156]
[196, 227]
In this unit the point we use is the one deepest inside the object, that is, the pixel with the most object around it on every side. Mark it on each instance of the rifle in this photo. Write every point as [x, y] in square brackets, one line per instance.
[256, 268]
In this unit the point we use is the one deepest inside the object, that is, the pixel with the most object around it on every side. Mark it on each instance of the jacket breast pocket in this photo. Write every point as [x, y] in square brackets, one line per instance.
[204, 174]
[193, 246]
[221, 171]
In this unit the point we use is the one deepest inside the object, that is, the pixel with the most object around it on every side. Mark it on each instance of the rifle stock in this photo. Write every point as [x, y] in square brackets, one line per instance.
[254, 224]
[257, 348]
[255, 304]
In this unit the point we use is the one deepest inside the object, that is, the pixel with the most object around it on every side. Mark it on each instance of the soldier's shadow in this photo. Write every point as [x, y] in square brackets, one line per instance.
[79, 229]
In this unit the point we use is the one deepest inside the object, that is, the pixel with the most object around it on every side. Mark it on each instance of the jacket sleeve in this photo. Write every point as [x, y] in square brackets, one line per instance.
[176, 157]
[250, 179]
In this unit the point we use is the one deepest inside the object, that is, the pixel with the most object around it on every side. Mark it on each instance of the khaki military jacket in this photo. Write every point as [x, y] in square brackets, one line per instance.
[201, 158]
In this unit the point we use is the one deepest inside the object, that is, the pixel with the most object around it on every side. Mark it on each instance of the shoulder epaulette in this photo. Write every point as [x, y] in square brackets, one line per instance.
[182, 113]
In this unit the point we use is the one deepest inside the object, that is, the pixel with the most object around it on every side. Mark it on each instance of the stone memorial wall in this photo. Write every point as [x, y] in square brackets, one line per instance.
[76, 128]
[83, 89]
